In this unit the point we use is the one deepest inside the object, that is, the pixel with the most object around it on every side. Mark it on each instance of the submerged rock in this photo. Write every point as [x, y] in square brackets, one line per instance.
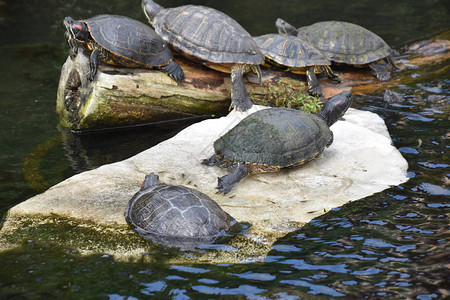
[361, 161]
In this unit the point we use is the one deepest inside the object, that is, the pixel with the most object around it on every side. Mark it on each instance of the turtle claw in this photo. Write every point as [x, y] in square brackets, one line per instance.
[381, 72]
[91, 75]
[383, 77]
[174, 71]
[241, 105]
[225, 184]
[315, 91]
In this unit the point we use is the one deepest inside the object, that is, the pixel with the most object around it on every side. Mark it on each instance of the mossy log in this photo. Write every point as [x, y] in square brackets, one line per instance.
[126, 97]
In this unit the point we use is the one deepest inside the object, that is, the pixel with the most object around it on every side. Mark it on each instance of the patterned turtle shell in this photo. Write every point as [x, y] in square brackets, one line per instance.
[175, 215]
[290, 51]
[129, 42]
[275, 137]
[207, 34]
[345, 42]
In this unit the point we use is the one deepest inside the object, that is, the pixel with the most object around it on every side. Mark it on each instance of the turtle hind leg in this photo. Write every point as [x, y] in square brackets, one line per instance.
[380, 71]
[212, 161]
[390, 60]
[257, 70]
[240, 100]
[227, 182]
[329, 72]
[174, 71]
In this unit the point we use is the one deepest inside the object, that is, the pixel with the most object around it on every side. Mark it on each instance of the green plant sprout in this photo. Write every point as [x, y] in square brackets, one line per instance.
[285, 95]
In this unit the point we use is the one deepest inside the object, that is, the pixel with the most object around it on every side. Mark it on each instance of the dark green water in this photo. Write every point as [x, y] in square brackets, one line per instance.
[390, 245]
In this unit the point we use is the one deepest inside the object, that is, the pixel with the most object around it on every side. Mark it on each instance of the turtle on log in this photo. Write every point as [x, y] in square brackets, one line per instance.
[293, 54]
[346, 43]
[211, 37]
[120, 41]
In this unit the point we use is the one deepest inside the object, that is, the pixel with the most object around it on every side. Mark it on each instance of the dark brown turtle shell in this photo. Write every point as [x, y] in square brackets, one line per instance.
[175, 215]
[290, 51]
[207, 34]
[129, 42]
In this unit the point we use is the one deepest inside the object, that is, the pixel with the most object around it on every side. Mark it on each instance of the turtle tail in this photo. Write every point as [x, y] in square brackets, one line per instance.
[150, 180]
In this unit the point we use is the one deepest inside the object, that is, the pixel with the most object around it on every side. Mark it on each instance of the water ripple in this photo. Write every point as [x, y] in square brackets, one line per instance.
[189, 269]
[249, 291]
[157, 286]
[315, 289]
[286, 248]
[256, 276]
[434, 189]
[300, 264]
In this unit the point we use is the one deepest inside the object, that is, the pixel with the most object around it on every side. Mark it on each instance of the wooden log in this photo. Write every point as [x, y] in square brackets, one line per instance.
[125, 97]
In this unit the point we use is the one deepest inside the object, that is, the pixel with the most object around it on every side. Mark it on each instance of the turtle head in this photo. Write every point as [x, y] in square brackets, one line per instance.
[336, 107]
[150, 180]
[151, 9]
[285, 28]
[76, 29]
[76, 32]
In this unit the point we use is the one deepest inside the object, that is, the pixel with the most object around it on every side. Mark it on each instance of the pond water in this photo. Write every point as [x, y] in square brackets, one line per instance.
[393, 244]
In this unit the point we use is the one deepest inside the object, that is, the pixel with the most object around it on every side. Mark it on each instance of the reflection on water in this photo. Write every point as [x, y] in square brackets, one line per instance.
[394, 244]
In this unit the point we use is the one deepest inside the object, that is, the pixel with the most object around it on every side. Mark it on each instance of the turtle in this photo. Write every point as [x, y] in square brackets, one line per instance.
[346, 43]
[211, 37]
[121, 41]
[291, 53]
[175, 215]
[275, 138]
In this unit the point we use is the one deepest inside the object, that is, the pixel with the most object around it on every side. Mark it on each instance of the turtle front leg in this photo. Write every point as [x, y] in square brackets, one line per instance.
[240, 100]
[227, 182]
[93, 63]
[380, 71]
[313, 84]
[174, 71]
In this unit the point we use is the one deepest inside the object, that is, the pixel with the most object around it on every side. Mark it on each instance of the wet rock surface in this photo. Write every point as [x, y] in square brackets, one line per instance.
[361, 161]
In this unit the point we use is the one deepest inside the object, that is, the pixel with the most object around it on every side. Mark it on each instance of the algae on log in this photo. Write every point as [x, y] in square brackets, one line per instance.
[122, 96]
[128, 96]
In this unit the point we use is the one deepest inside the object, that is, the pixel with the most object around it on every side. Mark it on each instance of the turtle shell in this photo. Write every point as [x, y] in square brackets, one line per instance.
[176, 216]
[345, 42]
[207, 34]
[290, 51]
[279, 137]
[130, 42]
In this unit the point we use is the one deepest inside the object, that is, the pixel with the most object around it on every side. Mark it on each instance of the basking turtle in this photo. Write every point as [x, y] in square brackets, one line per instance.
[211, 37]
[121, 41]
[291, 53]
[347, 43]
[175, 215]
[275, 138]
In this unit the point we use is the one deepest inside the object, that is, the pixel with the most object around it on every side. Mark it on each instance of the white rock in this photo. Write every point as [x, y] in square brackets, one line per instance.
[361, 161]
